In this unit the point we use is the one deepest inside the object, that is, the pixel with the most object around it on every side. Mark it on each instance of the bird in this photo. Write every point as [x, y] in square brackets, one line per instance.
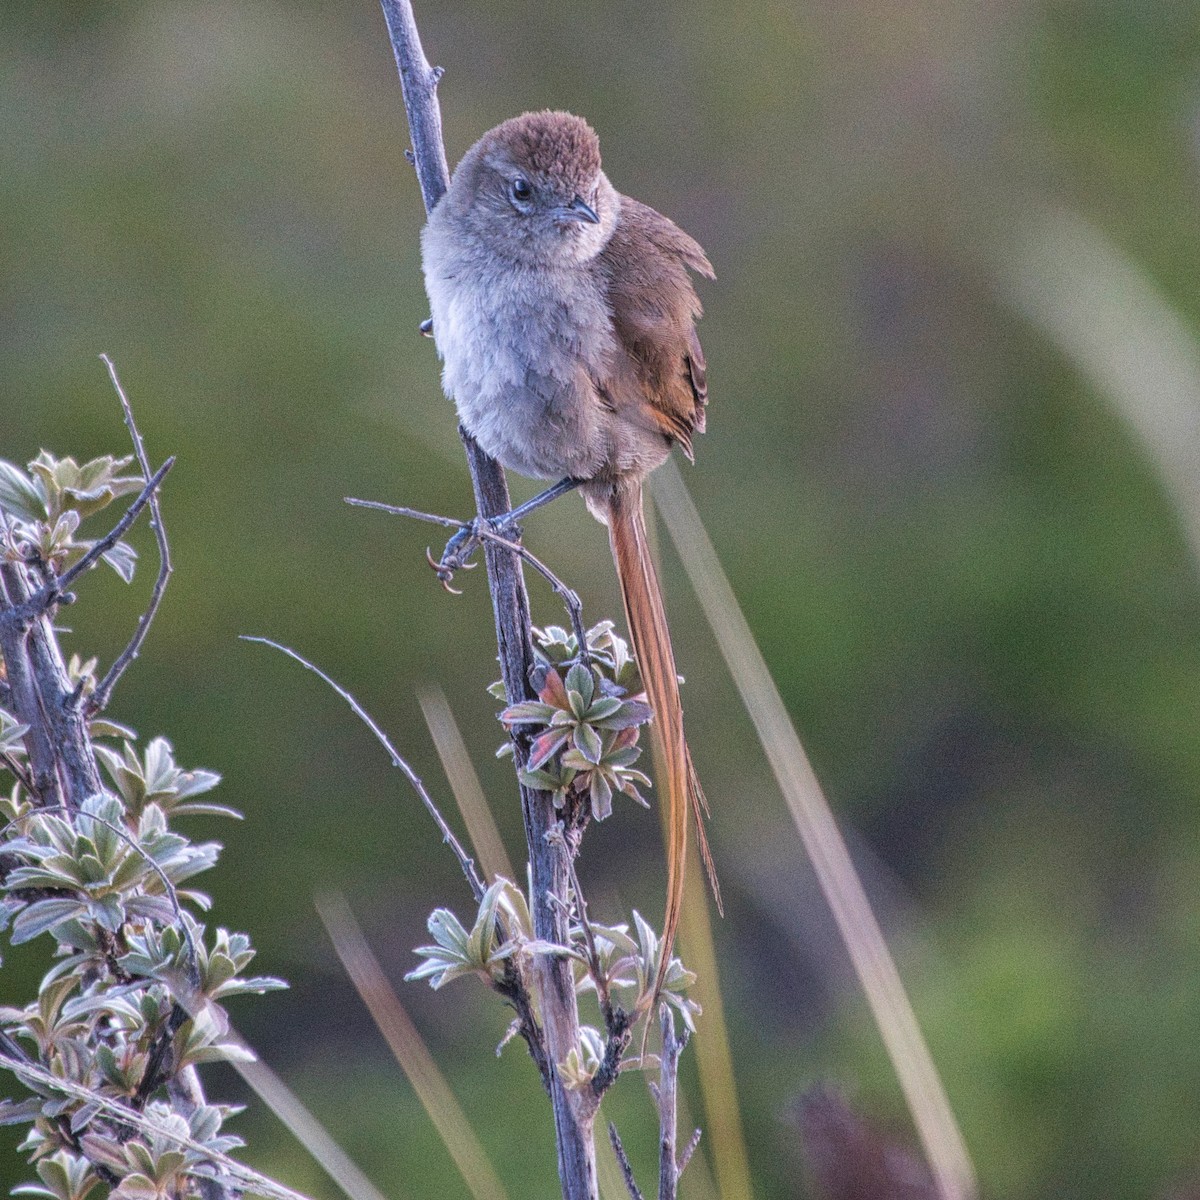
[564, 314]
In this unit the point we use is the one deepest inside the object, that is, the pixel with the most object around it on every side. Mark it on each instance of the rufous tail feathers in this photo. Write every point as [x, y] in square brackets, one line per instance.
[648, 630]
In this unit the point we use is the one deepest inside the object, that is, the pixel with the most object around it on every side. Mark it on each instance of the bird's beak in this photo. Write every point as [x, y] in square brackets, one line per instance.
[579, 210]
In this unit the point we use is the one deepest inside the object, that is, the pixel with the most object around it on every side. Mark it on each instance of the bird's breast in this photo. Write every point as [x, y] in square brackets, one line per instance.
[521, 348]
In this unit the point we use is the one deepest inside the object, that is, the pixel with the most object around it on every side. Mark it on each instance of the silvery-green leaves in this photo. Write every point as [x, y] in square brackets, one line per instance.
[47, 505]
[159, 1162]
[136, 989]
[165, 954]
[631, 964]
[155, 779]
[557, 647]
[588, 738]
[483, 950]
[64, 1176]
[94, 869]
[12, 735]
[583, 1061]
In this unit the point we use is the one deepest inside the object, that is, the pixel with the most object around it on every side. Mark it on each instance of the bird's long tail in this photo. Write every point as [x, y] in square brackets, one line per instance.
[647, 621]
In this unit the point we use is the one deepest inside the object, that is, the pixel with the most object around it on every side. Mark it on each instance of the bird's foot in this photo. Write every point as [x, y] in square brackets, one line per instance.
[460, 549]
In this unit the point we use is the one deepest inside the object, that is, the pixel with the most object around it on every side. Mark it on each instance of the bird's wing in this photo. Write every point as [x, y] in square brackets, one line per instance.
[654, 309]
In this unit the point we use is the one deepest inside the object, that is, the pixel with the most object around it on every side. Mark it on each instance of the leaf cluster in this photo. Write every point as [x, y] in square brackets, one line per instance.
[587, 720]
[46, 505]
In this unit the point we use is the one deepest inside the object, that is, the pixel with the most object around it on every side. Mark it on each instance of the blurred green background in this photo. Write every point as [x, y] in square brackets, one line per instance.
[964, 566]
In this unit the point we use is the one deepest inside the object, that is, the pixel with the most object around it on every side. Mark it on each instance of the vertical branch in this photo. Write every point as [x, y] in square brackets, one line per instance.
[669, 1165]
[64, 768]
[574, 1112]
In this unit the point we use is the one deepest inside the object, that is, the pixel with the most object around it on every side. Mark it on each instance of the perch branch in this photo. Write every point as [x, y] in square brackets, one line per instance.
[573, 1114]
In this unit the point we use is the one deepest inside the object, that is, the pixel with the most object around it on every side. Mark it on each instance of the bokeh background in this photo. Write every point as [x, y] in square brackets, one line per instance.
[954, 409]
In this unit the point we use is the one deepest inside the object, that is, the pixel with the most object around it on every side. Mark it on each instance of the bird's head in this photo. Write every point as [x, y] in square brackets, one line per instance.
[532, 190]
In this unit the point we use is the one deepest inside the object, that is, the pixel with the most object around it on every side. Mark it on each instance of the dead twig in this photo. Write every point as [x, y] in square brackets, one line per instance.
[626, 1166]
[99, 699]
[465, 861]
[617, 1022]
[670, 1165]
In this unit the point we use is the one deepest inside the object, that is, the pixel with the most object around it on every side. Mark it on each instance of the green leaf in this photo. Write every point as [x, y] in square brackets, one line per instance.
[581, 680]
[20, 496]
[43, 915]
[528, 712]
[587, 742]
[545, 745]
[601, 708]
[122, 557]
[601, 794]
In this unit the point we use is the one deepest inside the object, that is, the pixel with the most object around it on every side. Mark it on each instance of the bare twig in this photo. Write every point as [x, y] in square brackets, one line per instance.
[17, 770]
[626, 1166]
[670, 1167]
[685, 1155]
[464, 859]
[574, 1115]
[617, 1022]
[99, 699]
[481, 532]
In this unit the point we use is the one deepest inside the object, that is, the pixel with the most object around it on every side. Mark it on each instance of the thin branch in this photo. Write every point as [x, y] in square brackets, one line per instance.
[665, 1095]
[573, 1114]
[19, 773]
[626, 1166]
[685, 1156]
[514, 988]
[464, 859]
[481, 531]
[99, 699]
[617, 1022]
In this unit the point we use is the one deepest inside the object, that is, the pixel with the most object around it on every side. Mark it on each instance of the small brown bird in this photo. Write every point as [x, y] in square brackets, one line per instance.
[565, 318]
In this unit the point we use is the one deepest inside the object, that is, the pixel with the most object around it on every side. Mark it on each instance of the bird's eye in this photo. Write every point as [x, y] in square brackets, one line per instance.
[521, 189]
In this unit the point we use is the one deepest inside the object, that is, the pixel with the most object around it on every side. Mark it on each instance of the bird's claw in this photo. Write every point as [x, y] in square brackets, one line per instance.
[459, 549]
[445, 572]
